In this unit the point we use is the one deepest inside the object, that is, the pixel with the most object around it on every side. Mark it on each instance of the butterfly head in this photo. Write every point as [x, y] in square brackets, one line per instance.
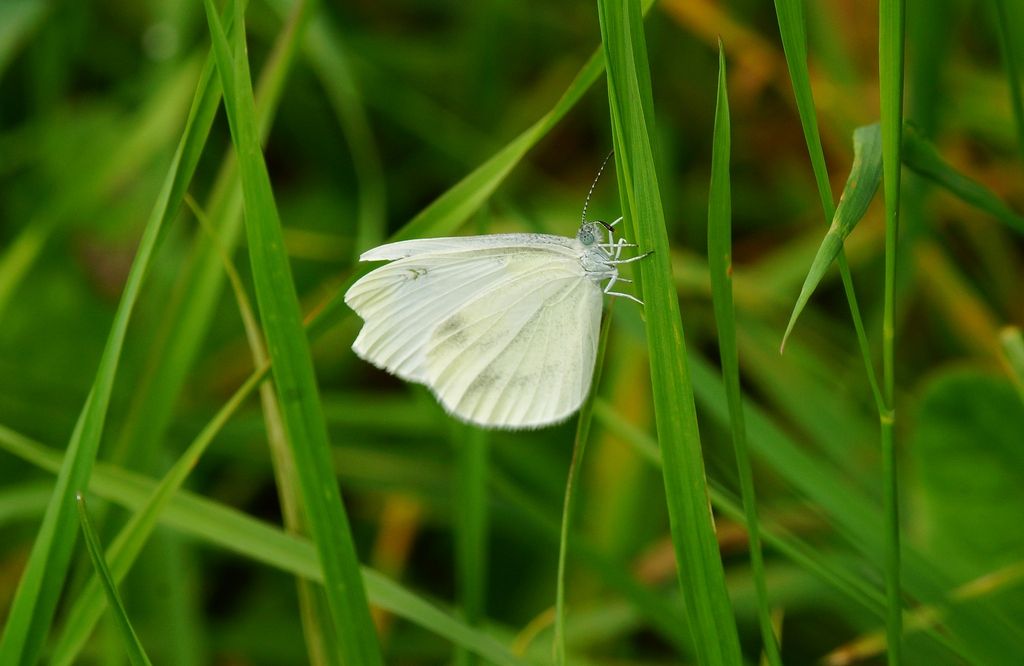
[590, 232]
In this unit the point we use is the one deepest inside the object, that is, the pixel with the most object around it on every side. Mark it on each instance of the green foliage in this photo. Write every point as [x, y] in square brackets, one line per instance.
[127, 371]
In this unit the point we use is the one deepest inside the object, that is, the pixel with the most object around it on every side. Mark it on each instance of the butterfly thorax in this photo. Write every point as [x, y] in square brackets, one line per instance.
[594, 258]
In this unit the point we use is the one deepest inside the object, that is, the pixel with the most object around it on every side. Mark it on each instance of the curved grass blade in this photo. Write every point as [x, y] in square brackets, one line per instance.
[720, 265]
[579, 446]
[136, 653]
[39, 588]
[792, 29]
[240, 533]
[921, 155]
[701, 576]
[294, 377]
[861, 185]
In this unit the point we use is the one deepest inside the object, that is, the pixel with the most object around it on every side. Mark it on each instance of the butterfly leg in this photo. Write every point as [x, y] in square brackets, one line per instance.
[629, 296]
[632, 259]
[614, 250]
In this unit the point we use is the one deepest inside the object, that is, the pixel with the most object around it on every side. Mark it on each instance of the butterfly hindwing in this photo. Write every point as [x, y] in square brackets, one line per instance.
[521, 356]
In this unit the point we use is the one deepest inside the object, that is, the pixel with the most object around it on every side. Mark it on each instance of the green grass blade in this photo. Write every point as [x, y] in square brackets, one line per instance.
[793, 30]
[922, 156]
[294, 377]
[313, 611]
[136, 653]
[891, 18]
[239, 533]
[471, 530]
[39, 588]
[579, 446]
[124, 550]
[861, 185]
[701, 576]
[720, 265]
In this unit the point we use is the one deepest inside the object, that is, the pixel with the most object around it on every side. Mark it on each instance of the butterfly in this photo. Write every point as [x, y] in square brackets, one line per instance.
[502, 328]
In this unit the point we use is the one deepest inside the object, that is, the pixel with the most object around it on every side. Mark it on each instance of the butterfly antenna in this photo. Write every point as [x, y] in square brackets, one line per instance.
[594, 184]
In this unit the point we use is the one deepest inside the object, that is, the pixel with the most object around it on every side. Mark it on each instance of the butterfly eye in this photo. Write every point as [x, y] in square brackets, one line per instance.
[587, 238]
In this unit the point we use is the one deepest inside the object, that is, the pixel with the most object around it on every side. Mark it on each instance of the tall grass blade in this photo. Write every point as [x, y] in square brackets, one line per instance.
[701, 576]
[471, 529]
[136, 653]
[720, 265]
[295, 380]
[39, 588]
[922, 156]
[321, 646]
[891, 19]
[579, 446]
[861, 185]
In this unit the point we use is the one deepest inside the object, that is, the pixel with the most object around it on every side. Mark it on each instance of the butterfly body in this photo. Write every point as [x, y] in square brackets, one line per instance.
[502, 328]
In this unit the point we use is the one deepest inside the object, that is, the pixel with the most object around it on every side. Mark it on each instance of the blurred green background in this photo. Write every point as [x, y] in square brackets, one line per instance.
[381, 107]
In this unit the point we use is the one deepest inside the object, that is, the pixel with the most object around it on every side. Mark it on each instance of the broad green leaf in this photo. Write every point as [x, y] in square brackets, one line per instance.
[861, 185]
[136, 653]
[699, 565]
[294, 377]
[970, 470]
[921, 155]
[967, 453]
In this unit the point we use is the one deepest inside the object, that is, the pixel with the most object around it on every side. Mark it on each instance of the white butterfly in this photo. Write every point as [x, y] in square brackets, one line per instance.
[502, 328]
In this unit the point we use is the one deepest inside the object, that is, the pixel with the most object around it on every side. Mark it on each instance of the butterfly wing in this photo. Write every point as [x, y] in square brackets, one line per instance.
[403, 302]
[462, 244]
[521, 356]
